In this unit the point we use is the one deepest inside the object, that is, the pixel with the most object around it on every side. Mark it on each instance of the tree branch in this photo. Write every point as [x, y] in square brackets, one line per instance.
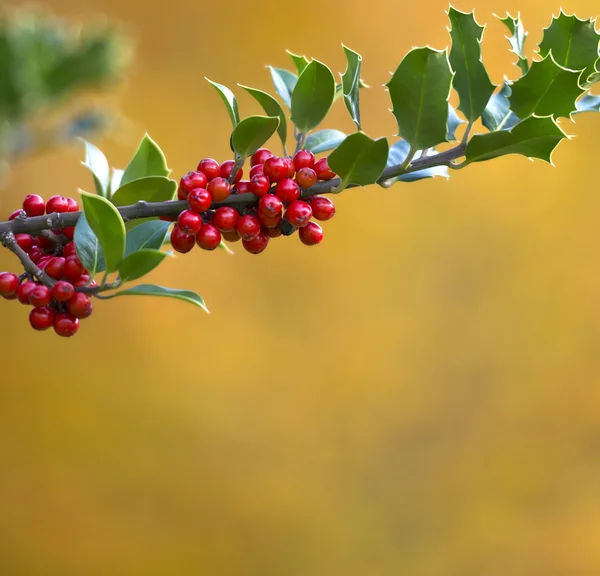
[8, 240]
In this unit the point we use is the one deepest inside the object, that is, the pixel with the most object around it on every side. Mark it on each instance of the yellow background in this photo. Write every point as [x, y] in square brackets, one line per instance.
[418, 395]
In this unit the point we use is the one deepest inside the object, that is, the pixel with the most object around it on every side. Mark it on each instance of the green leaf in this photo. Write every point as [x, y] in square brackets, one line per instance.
[547, 89]
[115, 179]
[594, 77]
[454, 121]
[534, 137]
[153, 290]
[419, 90]
[150, 189]
[517, 39]
[359, 160]
[351, 83]
[398, 153]
[252, 132]
[285, 83]
[301, 62]
[588, 103]
[324, 140]
[497, 114]
[149, 160]
[272, 108]
[152, 234]
[140, 263]
[230, 102]
[572, 42]
[106, 222]
[471, 79]
[313, 96]
[226, 248]
[88, 247]
[97, 164]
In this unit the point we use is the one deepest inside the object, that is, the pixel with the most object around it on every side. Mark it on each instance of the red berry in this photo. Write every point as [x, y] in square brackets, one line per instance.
[256, 245]
[41, 318]
[56, 267]
[209, 237]
[199, 200]
[260, 156]
[311, 234]
[36, 254]
[287, 191]
[322, 169]
[256, 170]
[189, 182]
[298, 213]
[189, 222]
[34, 205]
[69, 250]
[80, 305]
[69, 232]
[167, 218]
[45, 243]
[227, 169]
[273, 232]
[73, 206]
[8, 283]
[25, 241]
[24, 291]
[304, 159]
[66, 325]
[248, 227]
[219, 189]
[83, 281]
[232, 236]
[260, 185]
[226, 218]
[62, 291]
[57, 204]
[276, 169]
[243, 187]
[290, 167]
[40, 296]
[210, 168]
[323, 208]
[269, 222]
[306, 177]
[16, 214]
[270, 205]
[44, 261]
[73, 268]
[181, 241]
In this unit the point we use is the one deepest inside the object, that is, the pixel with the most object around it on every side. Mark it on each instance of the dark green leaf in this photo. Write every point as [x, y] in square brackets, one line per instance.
[497, 114]
[150, 189]
[97, 164]
[88, 247]
[153, 290]
[272, 108]
[151, 234]
[301, 62]
[106, 222]
[140, 263]
[419, 90]
[359, 160]
[516, 39]
[533, 137]
[324, 140]
[471, 79]
[454, 121]
[230, 102]
[313, 96]
[547, 89]
[252, 132]
[285, 83]
[149, 160]
[397, 155]
[588, 103]
[350, 84]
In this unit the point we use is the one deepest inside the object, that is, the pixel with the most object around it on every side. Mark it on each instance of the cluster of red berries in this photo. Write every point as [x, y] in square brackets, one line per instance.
[279, 210]
[60, 306]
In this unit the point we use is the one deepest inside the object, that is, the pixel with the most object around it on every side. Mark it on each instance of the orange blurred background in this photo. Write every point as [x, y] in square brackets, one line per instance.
[418, 395]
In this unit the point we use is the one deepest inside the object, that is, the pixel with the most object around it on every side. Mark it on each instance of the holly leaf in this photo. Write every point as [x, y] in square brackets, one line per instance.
[351, 84]
[301, 62]
[588, 103]
[421, 107]
[594, 77]
[88, 247]
[140, 263]
[149, 189]
[97, 164]
[252, 132]
[284, 82]
[398, 153]
[497, 114]
[516, 39]
[149, 160]
[230, 102]
[272, 108]
[324, 140]
[115, 179]
[313, 96]
[153, 290]
[147, 235]
[534, 137]
[454, 121]
[359, 160]
[471, 79]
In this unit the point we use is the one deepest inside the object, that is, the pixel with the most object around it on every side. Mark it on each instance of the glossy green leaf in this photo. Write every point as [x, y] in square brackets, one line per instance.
[351, 84]
[398, 153]
[149, 160]
[153, 290]
[454, 121]
[534, 137]
[150, 189]
[301, 62]
[588, 103]
[252, 132]
[593, 77]
[106, 223]
[152, 234]
[547, 89]
[97, 164]
[419, 90]
[359, 160]
[516, 39]
[313, 96]
[497, 114]
[140, 263]
[285, 83]
[324, 140]
[115, 179]
[229, 100]
[88, 247]
[471, 79]
[272, 108]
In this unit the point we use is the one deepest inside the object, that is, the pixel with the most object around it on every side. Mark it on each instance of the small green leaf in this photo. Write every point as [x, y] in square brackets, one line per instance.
[97, 164]
[324, 140]
[534, 137]
[153, 290]
[88, 247]
[252, 132]
[285, 83]
[115, 180]
[398, 153]
[272, 108]
[454, 121]
[140, 263]
[226, 248]
[471, 79]
[151, 234]
[313, 96]
[594, 77]
[149, 160]
[351, 83]
[107, 224]
[230, 102]
[547, 89]
[150, 189]
[588, 103]
[497, 114]
[359, 160]
[517, 39]
[301, 62]
[419, 90]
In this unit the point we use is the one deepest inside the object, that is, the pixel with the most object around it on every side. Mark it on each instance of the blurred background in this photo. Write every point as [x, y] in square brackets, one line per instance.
[417, 395]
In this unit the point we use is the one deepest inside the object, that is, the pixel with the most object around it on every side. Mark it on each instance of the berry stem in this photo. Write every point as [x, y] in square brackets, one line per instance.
[8, 240]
